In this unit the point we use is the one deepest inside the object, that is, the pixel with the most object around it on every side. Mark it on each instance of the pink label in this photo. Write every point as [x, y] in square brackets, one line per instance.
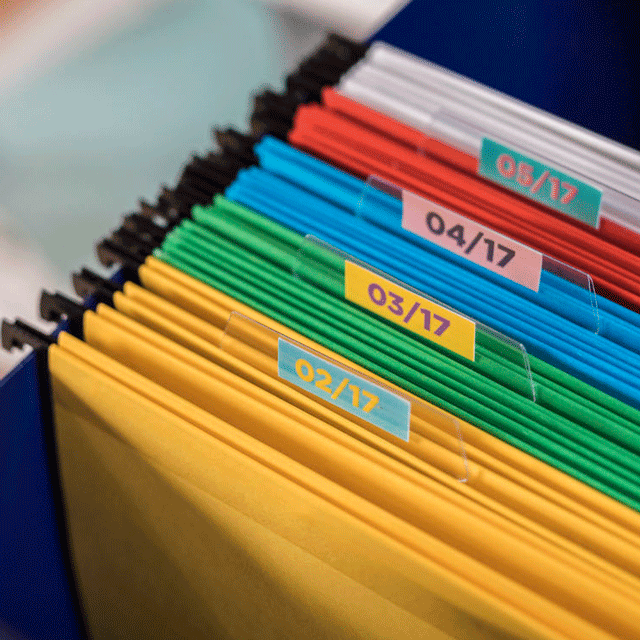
[471, 240]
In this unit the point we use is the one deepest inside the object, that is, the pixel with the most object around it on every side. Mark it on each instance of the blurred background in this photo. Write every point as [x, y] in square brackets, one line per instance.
[102, 101]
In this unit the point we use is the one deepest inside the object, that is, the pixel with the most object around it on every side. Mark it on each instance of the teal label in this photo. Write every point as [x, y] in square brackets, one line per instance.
[540, 182]
[341, 387]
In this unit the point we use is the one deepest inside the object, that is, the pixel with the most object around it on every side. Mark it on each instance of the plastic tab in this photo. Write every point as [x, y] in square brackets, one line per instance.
[319, 262]
[539, 181]
[278, 354]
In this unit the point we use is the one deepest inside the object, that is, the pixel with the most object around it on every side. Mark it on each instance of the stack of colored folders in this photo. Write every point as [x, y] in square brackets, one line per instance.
[224, 408]
[366, 142]
[593, 339]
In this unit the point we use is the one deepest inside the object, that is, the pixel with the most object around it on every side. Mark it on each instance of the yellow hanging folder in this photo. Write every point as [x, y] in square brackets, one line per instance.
[567, 493]
[218, 534]
[468, 559]
[612, 548]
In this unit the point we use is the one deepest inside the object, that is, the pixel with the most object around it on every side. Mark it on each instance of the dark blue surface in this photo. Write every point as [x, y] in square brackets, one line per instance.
[36, 599]
[577, 59]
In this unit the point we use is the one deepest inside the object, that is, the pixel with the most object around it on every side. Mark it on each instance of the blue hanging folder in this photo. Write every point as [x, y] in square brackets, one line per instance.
[557, 324]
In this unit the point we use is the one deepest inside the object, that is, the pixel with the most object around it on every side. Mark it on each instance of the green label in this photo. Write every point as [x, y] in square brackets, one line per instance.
[540, 182]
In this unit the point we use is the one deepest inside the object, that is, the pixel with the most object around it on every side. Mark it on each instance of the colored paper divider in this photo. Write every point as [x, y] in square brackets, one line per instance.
[472, 241]
[539, 181]
[394, 408]
[352, 393]
[524, 268]
[312, 259]
[408, 309]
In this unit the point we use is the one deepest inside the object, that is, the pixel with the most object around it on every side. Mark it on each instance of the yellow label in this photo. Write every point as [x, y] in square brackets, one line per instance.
[407, 309]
